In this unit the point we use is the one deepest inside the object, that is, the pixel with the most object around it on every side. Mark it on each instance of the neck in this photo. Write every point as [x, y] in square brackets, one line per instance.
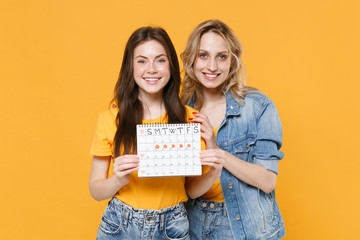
[213, 96]
[153, 106]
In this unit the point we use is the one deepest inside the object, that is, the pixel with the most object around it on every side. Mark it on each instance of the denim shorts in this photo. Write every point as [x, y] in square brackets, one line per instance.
[121, 221]
[208, 220]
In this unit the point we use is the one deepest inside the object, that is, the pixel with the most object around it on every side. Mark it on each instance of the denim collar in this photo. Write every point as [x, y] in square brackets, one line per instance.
[232, 106]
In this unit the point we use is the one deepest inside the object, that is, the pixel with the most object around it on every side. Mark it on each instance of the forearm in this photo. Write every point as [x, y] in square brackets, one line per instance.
[197, 186]
[250, 173]
[101, 189]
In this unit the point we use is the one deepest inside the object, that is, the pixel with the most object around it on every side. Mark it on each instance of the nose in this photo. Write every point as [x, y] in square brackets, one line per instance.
[212, 65]
[151, 68]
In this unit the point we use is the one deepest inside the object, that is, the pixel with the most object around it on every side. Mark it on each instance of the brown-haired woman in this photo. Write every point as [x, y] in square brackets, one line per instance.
[243, 133]
[147, 91]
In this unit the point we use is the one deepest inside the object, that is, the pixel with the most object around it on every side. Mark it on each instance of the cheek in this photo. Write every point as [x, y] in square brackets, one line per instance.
[225, 67]
[165, 70]
[138, 70]
[198, 66]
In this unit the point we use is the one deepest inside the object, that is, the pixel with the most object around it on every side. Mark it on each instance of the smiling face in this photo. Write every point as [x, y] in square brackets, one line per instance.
[151, 68]
[212, 65]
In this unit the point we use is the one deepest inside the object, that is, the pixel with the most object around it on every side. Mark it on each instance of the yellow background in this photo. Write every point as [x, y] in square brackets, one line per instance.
[59, 61]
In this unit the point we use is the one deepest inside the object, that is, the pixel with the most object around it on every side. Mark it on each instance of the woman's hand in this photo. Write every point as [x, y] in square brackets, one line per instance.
[207, 131]
[215, 159]
[124, 166]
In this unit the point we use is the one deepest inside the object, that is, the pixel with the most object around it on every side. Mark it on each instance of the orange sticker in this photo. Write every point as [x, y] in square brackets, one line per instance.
[189, 145]
[173, 145]
[165, 146]
[141, 155]
[142, 171]
[142, 131]
[181, 146]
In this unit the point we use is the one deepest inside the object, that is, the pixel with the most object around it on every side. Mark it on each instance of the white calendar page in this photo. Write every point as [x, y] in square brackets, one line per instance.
[169, 149]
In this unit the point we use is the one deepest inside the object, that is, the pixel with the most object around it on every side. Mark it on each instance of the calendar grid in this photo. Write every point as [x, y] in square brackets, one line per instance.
[169, 149]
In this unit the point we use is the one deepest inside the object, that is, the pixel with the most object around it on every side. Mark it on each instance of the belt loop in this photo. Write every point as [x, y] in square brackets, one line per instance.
[126, 218]
[162, 221]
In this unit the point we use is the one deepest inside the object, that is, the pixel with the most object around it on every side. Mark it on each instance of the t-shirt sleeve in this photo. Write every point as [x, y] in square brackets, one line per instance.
[101, 144]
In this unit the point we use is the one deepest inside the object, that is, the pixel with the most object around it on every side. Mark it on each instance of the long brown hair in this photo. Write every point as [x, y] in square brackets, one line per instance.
[126, 91]
[235, 82]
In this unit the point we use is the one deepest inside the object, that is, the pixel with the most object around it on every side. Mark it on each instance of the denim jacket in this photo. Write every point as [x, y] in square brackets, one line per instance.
[252, 132]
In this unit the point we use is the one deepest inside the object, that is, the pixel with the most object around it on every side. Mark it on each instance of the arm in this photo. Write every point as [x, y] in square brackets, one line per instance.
[263, 171]
[250, 173]
[101, 187]
[197, 186]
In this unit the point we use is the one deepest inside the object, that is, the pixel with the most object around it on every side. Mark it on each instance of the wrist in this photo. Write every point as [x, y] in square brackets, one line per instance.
[118, 181]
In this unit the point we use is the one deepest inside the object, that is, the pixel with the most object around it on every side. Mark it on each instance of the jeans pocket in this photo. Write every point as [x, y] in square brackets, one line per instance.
[110, 222]
[177, 228]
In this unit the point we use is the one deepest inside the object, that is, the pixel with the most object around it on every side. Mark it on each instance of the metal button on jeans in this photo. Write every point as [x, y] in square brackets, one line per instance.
[204, 205]
[237, 217]
[212, 205]
[230, 186]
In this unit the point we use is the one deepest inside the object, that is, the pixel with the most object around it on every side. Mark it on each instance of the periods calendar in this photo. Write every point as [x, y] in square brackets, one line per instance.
[169, 149]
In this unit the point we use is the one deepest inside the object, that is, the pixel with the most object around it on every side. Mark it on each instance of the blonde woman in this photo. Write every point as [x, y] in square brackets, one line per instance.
[243, 133]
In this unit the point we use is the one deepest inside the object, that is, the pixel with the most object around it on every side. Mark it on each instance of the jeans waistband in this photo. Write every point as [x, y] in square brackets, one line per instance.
[146, 216]
[207, 205]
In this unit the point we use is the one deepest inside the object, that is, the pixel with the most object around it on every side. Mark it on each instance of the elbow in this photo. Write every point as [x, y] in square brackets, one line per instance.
[94, 196]
[191, 194]
[269, 184]
[93, 193]
[268, 189]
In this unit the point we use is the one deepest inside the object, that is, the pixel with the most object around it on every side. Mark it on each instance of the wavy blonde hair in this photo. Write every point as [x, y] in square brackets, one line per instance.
[235, 83]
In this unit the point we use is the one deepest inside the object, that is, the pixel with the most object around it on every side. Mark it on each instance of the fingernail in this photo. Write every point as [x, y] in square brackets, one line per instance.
[190, 118]
[195, 113]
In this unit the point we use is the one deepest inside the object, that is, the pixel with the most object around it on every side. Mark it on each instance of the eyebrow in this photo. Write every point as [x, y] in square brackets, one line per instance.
[202, 50]
[141, 56]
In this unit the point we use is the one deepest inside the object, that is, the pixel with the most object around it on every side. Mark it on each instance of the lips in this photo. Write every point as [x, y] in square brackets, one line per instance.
[211, 76]
[152, 80]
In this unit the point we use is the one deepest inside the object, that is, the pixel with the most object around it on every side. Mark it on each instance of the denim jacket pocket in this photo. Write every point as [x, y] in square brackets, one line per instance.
[242, 148]
[271, 215]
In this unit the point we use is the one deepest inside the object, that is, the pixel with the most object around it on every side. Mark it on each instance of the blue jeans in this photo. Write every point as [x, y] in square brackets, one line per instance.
[208, 220]
[121, 221]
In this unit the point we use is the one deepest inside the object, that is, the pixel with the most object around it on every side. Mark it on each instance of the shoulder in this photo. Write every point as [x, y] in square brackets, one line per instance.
[190, 109]
[109, 114]
[256, 103]
[190, 112]
[258, 98]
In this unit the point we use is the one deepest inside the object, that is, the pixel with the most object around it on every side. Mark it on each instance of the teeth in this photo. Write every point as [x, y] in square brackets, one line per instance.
[211, 75]
[151, 79]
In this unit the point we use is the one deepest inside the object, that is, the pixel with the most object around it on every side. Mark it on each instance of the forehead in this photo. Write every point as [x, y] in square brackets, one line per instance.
[149, 48]
[213, 42]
